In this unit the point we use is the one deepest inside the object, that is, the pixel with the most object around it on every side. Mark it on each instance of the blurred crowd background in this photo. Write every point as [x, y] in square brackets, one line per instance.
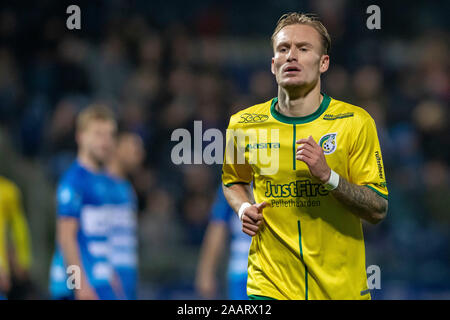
[163, 64]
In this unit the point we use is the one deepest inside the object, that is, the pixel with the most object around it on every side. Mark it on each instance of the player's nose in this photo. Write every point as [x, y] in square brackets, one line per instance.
[292, 55]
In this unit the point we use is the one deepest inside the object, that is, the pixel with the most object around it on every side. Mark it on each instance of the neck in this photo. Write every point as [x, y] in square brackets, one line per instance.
[88, 162]
[299, 103]
[116, 169]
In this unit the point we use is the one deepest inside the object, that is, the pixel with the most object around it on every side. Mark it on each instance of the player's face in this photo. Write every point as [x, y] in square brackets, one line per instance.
[130, 150]
[298, 56]
[97, 140]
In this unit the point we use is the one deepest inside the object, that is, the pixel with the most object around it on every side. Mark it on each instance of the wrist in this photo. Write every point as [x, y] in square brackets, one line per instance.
[326, 178]
[332, 182]
[241, 210]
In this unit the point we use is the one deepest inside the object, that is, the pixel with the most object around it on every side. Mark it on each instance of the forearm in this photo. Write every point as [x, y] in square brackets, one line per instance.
[69, 250]
[4, 265]
[67, 240]
[21, 239]
[212, 248]
[71, 253]
[238, 194]
[361, 201]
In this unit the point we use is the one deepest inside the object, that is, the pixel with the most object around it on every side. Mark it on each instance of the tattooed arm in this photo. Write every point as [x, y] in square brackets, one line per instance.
[360, 200]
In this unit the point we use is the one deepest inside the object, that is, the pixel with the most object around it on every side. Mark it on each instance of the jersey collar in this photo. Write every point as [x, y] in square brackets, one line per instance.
[298, 120]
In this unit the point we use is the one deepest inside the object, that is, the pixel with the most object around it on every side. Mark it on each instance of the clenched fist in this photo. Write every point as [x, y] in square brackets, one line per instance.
[312, 154]
[252, 218]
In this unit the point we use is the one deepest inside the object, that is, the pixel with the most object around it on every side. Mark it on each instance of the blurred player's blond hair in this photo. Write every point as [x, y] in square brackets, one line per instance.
[307, 19]
[94, 112]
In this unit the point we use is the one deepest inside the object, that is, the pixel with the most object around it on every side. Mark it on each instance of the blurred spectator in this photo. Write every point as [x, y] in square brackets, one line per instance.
[436, 176]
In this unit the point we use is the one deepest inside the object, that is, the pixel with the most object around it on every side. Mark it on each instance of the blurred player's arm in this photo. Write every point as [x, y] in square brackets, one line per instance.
[5, 283]
[211, 252]
[67, 229]
[4, 268]
[20, 237]
[117, 286]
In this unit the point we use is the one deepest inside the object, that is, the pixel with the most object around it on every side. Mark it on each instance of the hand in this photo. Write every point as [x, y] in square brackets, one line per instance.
[312, 154]
[86, 292]
[206, 285]
[252, 218]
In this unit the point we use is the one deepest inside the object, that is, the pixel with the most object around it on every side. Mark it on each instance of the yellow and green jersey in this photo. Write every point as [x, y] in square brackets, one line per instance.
[12, 221]
[311, 246]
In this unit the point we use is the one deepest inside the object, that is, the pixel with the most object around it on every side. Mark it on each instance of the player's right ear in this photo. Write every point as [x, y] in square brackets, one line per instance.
[272, 68]
[324, 63]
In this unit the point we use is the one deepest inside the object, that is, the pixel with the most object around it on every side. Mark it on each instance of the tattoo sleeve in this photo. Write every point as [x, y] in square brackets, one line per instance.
[361, 201]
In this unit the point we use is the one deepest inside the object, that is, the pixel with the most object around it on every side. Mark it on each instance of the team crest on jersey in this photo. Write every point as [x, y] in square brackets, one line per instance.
[328, 143]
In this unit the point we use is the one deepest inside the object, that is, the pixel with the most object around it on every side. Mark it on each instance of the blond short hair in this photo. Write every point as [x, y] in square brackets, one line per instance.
[92, 113]
[304, 18]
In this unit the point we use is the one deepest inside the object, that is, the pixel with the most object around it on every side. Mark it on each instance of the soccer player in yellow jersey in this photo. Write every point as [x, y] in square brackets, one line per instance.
[317, 170]
[12, 219]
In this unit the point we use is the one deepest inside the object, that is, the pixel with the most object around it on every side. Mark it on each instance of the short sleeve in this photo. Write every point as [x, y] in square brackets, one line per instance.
[365, 159]
[68, 200]
[235, 171]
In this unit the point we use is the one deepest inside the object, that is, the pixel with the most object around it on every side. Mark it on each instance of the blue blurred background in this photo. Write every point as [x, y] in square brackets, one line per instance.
[163, 64]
